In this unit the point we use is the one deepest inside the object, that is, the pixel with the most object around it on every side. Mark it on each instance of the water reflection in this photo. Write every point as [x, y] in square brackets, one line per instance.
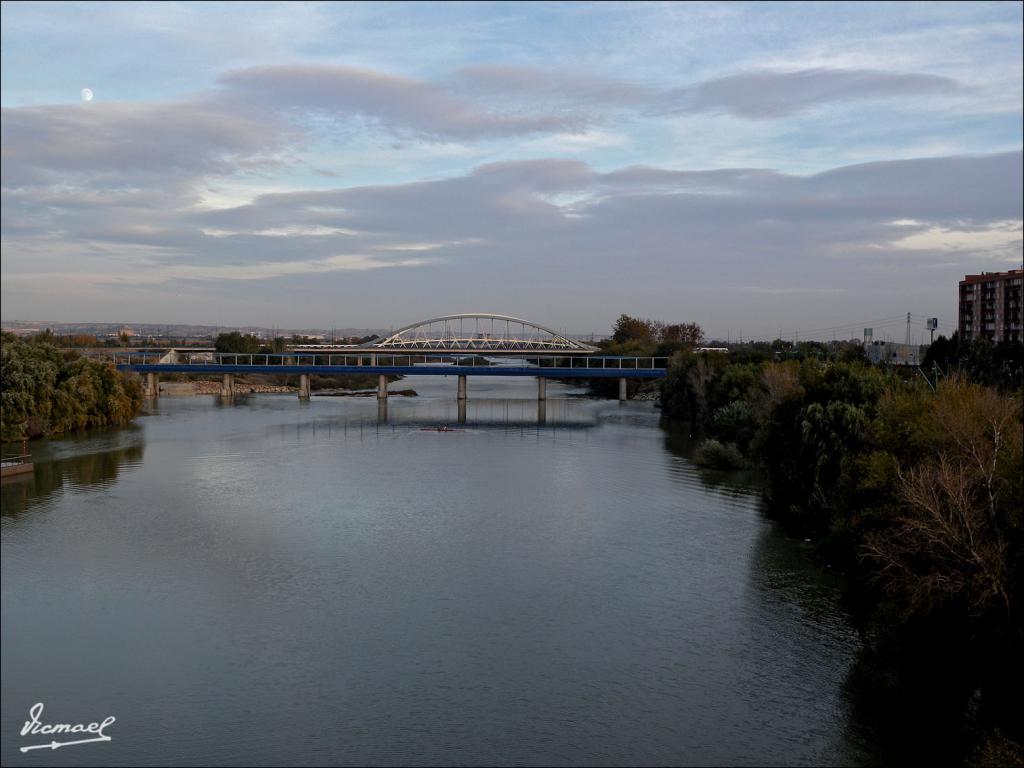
[881, 725]
[787, 589]
[230, 401]
[681, 444]
[81, 472]
[507, 412]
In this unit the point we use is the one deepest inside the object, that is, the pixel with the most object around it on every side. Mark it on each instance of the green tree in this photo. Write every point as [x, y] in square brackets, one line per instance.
[683, 333]
[237, 343]
[634, 330]
[44, 392]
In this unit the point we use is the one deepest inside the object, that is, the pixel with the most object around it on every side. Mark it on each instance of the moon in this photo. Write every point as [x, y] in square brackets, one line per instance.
[87, 94]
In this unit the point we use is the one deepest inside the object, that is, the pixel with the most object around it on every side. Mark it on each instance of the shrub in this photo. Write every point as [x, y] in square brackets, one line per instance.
[715, 455]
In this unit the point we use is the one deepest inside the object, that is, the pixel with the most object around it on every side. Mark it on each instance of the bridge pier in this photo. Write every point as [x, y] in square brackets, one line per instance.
[152, 388]
[542, 388]
[462, 387]
[382, 387]
[227, 385]
[623, 395]
[542, 412]
[462, 412]
[304, 388]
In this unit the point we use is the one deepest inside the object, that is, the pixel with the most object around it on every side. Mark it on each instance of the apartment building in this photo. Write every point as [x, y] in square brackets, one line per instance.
[990, 306]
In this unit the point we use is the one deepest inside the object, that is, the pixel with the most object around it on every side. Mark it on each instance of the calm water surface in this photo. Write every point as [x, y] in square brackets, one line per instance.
[270, 581]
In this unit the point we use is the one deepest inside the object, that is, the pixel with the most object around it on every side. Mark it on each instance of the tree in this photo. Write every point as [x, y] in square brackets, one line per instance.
[45, 392]
[237, 343]
[44, 337]
[944, 545]
[998, 365]
[948, 566]
[686, 333]
[633, 329]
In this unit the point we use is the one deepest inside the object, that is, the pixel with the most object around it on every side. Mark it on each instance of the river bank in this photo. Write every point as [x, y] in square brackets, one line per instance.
[911, 489]
[242, 387]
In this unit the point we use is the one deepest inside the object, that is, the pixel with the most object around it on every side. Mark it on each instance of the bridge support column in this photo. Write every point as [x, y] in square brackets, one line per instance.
[373, 358]
[462, 412]
[623, 396]
[462, 387]
[227, 385]
[304, 389]
[152, 388]
[542, 388]
[382, 387]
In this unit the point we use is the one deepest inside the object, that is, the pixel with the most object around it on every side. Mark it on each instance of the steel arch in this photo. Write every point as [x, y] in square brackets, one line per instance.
[449, 332]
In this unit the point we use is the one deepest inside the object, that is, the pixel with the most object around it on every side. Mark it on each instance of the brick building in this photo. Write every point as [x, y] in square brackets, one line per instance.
[990, 306]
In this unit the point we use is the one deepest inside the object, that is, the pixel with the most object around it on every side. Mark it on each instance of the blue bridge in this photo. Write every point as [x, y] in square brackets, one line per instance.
[453, 345]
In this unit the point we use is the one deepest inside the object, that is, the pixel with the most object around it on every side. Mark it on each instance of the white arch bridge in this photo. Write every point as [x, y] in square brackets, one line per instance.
[460, 345]
[475, 332]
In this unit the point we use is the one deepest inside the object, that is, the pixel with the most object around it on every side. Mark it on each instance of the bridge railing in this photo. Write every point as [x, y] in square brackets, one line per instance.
[390, 360]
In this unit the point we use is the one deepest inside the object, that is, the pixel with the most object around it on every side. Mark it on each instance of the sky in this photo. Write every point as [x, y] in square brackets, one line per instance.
[758, 168]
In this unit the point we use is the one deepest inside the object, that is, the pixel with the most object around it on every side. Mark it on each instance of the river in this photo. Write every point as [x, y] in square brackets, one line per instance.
[268, 581]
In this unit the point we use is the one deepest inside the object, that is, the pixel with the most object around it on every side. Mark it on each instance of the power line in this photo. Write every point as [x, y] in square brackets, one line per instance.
[885, 322]
[827, 330]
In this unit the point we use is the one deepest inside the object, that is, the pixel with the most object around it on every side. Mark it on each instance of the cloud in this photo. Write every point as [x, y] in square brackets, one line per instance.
[775, 224]
[162, 273]
[521, 232]
[752, 94]
[261, 114]
[998, 238]
[788, 290]
[401, 104]
[574, 87]
[539, 208]
[773, 95]
[165, 274]
[121, 144]
[957, 188]
[123, 192]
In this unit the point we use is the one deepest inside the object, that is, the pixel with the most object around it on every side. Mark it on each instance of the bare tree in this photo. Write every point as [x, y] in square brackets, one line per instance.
[944, 544]
[948, 541]
[779, 380]
[982, 426]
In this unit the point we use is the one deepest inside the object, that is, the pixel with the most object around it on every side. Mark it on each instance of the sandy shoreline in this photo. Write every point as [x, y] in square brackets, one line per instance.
[184, 388]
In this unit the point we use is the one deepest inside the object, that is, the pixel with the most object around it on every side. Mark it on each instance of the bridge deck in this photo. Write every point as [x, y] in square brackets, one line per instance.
[549, 372]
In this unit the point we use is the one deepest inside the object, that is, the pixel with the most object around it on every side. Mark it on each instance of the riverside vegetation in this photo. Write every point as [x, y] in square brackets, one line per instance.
[248, 344]
[911, 488]
[46, 391]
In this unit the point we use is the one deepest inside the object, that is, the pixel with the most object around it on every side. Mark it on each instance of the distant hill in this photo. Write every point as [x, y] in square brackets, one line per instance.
[175, 330]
